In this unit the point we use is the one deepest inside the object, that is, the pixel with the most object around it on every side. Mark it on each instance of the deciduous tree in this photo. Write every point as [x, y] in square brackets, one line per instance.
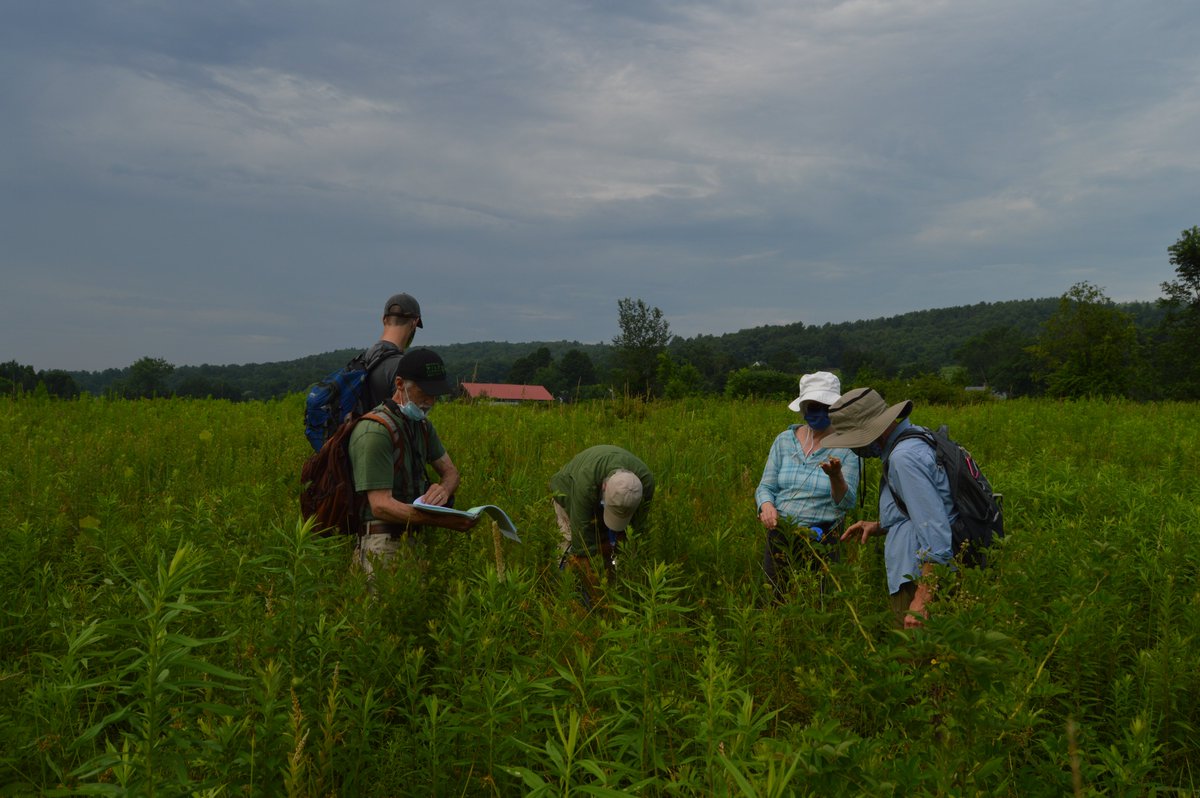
[15, 377]
[760, 383]
[59, 383]
[575, 370]
[524, 368]
[1177, 338]
[1000, 359]
[678, 379]
[1184, 291]
[644, 333]
[147, 378]
[1087, 348]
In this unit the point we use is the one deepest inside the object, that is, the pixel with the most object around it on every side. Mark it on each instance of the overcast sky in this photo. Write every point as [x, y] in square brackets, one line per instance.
[236, 181]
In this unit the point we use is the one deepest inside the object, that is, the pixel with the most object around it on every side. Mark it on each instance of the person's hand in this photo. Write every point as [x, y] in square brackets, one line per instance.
[862, 530]
[917, 614]
[768, 515]
[453, 521]
[832, 467]
[461, 523]
[437, 495]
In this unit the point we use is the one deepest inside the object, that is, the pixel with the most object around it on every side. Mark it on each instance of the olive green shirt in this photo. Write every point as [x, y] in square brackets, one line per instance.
[576, 487]
[377, 464]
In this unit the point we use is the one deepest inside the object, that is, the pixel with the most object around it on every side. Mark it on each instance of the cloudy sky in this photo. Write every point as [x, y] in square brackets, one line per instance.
[236, 181]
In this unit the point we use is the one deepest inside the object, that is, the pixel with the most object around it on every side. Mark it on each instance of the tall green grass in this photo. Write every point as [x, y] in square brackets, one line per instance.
[170, 627]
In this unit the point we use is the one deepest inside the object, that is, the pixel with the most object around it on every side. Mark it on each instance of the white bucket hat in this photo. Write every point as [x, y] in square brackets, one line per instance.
[820, 386]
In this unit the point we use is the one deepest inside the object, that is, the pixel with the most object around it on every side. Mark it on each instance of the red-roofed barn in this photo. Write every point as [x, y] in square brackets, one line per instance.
[508, 394]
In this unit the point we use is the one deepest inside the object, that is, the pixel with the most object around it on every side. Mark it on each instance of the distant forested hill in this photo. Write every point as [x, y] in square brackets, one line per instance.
[923, 340]
[487, 361]
[916, 342]
[920, 341]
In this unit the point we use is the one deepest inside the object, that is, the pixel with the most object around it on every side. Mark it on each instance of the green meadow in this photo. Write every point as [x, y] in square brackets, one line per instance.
[170, 627]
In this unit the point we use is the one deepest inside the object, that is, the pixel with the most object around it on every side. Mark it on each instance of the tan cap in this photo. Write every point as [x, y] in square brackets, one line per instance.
[622, 496]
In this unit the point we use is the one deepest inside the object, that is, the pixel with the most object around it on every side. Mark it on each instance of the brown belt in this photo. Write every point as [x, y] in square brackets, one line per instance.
[389, 528]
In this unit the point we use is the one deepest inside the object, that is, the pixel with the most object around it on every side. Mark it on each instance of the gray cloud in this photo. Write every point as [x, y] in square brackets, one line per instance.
[230, 182]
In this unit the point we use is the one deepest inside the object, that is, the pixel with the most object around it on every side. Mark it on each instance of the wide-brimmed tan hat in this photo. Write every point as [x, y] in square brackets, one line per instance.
[622, 497]
[820, 386]
[860, 416]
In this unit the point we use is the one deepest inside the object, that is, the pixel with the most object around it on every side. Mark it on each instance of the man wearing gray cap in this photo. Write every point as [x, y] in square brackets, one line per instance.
[401, 318]
[916, 509]
[597, 495]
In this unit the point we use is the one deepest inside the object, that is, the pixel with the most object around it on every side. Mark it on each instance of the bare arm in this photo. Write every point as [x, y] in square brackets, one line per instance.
[385, 507]
[837, 481]
[440, 492]
[918, 609]
[768, 488]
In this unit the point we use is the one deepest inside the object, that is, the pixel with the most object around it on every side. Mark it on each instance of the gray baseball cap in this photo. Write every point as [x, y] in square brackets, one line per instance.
[405, 306]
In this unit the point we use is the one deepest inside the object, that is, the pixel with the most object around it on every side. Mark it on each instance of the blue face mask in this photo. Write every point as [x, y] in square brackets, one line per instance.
[412, 411]
[817, 418]
[872, 449]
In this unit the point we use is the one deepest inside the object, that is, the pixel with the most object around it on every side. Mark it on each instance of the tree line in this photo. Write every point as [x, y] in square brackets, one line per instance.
[1079, 344]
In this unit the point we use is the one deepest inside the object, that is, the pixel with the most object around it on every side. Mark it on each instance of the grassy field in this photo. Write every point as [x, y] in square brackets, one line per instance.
[169, 626]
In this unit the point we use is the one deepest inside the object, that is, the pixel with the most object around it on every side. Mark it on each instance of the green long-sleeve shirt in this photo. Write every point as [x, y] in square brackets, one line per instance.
[576, 487]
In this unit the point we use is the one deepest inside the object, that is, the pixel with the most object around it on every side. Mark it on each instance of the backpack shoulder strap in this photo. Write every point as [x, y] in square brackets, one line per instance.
[412, 480]
[389, 424]
[358, 360]
[950, 457]
[912, 432]
[381, 354]
[917, 432]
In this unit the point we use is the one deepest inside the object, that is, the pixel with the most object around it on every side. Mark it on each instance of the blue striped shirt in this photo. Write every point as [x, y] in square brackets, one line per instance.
[796, 485]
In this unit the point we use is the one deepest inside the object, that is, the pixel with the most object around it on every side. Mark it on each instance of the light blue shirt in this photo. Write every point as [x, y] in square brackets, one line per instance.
[796, 485]
[923, 534]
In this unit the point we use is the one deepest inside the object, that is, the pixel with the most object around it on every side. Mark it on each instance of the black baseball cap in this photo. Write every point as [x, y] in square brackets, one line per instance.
[426, 369]
[405, 306]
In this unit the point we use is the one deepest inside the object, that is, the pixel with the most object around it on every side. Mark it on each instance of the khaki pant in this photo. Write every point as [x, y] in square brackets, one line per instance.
[564, 526]
[378, 550]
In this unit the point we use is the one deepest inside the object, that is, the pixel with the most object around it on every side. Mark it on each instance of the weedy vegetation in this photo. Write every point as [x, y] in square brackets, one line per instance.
[170, 626]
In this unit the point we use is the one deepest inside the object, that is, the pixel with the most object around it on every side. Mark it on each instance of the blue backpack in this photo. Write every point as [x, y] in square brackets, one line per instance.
[338, 397]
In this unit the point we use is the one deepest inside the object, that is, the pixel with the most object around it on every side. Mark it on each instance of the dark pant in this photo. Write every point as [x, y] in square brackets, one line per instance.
[787, 551]
[900, 600]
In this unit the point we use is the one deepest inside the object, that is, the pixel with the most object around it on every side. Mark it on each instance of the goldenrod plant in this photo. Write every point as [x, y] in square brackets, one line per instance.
[170, 626]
